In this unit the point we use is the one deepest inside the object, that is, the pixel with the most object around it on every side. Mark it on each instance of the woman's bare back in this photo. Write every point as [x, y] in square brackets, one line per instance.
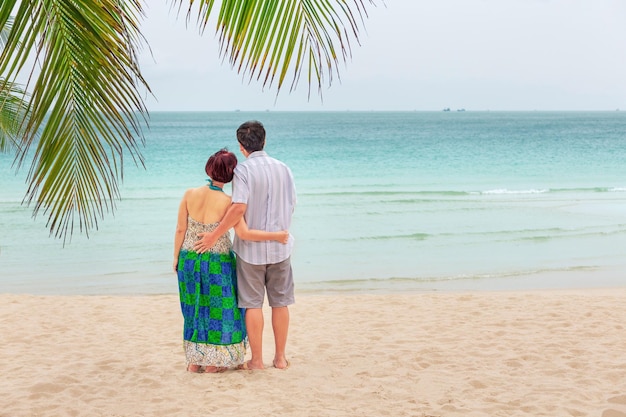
[205, 205]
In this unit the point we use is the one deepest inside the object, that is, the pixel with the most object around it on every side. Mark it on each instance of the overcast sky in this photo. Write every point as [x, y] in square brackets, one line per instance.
[420, 55]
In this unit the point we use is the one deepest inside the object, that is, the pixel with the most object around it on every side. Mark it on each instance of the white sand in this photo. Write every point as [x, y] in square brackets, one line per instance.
[535, 353]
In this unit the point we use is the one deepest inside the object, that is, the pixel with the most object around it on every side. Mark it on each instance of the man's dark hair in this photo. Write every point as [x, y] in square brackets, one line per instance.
[251, 135]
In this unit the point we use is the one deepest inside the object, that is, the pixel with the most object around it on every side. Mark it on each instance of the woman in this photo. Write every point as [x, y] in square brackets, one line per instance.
[214, 330]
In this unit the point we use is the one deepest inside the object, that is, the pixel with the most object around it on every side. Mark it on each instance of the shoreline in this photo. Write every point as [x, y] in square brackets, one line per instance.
[164, 284]
[450, 353]
[350, 292]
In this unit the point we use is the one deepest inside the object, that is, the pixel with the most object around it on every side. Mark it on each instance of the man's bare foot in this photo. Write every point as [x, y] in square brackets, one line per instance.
[249, 366]
[281, 363]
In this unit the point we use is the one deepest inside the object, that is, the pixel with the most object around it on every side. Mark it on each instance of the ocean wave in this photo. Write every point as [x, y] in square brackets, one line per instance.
[505, 235]
[392, 284]
[506, 191]
[407, 194]
[411, 236]
[551, 190]
[341, 193]
[570, 235]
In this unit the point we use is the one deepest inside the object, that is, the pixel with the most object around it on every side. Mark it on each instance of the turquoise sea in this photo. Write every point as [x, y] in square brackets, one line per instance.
[386, 201]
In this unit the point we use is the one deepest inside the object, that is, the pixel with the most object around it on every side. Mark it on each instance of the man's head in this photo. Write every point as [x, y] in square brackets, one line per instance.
[251, 136]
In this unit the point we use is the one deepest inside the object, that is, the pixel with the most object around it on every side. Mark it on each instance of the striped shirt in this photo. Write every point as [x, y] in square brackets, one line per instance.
[266, 185]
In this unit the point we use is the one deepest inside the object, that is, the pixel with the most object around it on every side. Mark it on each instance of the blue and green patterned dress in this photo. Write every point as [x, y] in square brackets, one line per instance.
[214, 329]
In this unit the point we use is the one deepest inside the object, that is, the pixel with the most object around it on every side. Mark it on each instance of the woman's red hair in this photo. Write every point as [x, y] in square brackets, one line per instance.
[221, 166]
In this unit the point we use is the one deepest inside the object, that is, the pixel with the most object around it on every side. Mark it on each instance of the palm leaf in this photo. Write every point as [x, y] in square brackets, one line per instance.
[266, 39]
[85, 105]
[12, 105]
[13, 110]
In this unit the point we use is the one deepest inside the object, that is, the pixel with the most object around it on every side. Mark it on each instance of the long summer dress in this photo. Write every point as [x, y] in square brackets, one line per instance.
[214, 329]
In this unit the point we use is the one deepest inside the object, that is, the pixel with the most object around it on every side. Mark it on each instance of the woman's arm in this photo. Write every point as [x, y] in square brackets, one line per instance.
[181, 229]
[244, 233]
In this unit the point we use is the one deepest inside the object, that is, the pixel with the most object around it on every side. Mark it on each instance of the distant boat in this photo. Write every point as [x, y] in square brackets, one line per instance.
[446, 109]
[460, 109]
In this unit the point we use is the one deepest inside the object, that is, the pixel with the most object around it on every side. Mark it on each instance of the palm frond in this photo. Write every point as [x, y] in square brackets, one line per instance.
[4, 32]
[13, 111]
[85, 105]
[266, 39]
[13, 106]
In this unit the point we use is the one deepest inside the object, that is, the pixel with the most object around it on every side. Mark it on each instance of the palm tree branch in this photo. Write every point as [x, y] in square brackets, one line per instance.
[13, 109]
[85, 102]
[260, 37]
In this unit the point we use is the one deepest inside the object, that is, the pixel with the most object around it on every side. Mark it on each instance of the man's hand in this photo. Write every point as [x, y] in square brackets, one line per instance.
[206, 242]
[284, 237]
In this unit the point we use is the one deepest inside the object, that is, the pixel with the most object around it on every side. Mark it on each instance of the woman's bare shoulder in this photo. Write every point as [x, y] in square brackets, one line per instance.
[201, 190]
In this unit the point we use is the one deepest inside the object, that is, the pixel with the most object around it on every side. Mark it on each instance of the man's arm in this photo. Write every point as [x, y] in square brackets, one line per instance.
[243, 232]
[231, 218]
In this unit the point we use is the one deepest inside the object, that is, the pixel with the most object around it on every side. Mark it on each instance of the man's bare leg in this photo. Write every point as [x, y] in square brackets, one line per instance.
[254, 327]
[280, 325]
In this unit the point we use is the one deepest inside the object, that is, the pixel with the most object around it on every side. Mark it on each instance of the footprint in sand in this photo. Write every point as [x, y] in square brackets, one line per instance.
[617, 407]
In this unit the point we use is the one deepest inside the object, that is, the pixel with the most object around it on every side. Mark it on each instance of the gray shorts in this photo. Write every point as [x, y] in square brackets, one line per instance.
[254, 280]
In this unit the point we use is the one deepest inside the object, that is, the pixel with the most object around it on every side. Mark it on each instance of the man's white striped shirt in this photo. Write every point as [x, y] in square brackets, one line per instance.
[266, 185]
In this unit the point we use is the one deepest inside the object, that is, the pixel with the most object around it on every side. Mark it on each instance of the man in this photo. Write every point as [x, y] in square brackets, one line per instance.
[264, 194]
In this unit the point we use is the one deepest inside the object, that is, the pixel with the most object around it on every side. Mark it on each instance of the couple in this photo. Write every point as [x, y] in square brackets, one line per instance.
[222, 297]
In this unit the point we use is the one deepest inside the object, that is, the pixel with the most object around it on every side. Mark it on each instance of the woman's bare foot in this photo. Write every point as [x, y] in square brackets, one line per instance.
[215, 369]
[197, 369]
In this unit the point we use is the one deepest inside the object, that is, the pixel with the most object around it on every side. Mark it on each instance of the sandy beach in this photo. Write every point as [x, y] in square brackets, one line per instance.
[519, 353]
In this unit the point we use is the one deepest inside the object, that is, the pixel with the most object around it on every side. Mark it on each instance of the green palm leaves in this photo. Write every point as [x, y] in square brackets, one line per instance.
[267, 39]
[83, 111]
[13, 109]
[84, 115]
